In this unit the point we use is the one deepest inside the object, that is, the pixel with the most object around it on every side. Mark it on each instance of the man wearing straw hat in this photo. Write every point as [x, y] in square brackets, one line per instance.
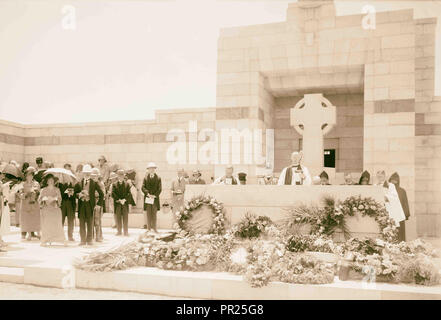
[87, 203]
[152, 188]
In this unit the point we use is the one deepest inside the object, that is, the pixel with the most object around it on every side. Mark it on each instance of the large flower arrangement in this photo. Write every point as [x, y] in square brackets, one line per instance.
[323, 220]
[190, 253]
[397, 262]
[195, 203]
[331, 216]
[261, 261]
[371, 208]
[261, 257]
[274, 254]
[317, 243]
[251, 226]
[305, 269]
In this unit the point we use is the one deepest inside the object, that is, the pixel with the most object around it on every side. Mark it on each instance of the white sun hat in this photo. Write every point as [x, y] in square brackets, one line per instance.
[87, 168]
[151, 165]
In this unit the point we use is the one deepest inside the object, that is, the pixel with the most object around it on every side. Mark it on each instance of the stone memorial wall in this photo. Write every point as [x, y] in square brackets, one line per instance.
[381, 81]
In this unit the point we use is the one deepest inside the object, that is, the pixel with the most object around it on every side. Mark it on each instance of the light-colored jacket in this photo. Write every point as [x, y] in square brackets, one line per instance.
[177, 193]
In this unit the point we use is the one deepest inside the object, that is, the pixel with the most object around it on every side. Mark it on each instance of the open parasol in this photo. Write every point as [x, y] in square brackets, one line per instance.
[12, 170]
[63, 175]
[130, 174]
[2, 166]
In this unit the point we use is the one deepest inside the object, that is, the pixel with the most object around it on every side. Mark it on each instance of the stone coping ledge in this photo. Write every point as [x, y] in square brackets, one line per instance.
[106, 123]
[216, 285]
[185, 110]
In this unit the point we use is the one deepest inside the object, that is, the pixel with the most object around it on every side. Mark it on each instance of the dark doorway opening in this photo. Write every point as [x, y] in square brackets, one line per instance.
[329, 155]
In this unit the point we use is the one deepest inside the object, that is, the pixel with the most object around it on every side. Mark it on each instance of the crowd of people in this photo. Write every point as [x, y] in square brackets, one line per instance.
[43, 203]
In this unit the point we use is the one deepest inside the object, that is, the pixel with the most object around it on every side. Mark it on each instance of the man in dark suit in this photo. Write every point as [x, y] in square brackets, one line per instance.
[151, 187]
[122, 197]
[68, 207]
[87, 202]
[40, 169]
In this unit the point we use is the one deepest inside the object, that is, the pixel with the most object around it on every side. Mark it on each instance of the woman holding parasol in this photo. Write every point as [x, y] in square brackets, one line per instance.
[66, 182]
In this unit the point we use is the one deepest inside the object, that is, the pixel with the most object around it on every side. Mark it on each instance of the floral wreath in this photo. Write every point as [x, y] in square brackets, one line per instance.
[186, 212]
[325, 220]
[371, 208]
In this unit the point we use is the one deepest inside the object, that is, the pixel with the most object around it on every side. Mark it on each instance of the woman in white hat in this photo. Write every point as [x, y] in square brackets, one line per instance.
[51, 219]
[30, 209]
[151, 187]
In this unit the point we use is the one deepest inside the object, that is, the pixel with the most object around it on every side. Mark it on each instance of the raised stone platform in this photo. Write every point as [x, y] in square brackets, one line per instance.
[28, 263]
[272, 201]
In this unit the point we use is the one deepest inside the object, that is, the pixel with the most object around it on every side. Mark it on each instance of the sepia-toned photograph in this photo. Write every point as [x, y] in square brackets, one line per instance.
[235, 151]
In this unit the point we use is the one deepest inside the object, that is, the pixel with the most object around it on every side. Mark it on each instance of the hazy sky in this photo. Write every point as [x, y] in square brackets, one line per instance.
[126, 58]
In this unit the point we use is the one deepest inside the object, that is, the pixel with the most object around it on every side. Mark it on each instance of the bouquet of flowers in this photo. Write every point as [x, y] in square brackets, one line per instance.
[252, 226]
[69, 192]
[47, 200]
[32, 194]
[295, 268]
[356, 204]
[302, 243]
[84, 195]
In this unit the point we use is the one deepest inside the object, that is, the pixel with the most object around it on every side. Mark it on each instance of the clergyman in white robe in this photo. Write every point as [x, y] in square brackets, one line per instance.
[296, 177]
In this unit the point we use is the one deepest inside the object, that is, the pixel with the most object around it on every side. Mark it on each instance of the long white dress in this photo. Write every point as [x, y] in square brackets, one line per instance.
[5, 223]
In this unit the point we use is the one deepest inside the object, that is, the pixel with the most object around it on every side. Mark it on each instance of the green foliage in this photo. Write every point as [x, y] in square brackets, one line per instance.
[252, 226]
[298, 243]
[302, 243]
[365, 246]
[295, 268]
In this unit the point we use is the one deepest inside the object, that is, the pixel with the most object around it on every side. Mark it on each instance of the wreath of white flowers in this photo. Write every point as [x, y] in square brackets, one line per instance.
[325, 220]
[371, 208]
[186, 212]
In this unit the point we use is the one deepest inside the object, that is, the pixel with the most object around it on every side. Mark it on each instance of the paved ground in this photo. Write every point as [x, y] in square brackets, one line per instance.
[12, 291]
[23, 250]
[58, 254]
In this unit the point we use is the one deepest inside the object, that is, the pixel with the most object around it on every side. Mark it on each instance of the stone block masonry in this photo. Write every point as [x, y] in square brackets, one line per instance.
[380, 80]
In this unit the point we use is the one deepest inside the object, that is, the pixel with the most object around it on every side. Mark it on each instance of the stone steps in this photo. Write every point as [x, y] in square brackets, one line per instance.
[11, 275]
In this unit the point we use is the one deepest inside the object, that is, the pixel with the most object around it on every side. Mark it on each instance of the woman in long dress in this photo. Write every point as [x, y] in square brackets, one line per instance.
[51, 217]
[30, 209]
